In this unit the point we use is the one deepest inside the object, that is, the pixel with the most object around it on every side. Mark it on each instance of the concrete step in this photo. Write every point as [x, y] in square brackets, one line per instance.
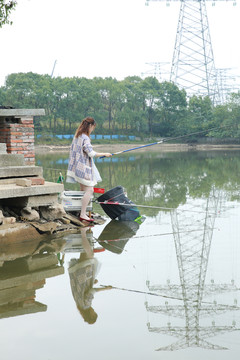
[19, 171]
[14, 191]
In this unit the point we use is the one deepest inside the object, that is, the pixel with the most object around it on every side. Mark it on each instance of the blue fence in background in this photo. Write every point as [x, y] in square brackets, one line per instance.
[65, 162]
[94, 137]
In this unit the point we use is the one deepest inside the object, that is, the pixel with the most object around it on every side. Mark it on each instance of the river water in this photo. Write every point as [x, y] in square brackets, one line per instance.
[164, 288]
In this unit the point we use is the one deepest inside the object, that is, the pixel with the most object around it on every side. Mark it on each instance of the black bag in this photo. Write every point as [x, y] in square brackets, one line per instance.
[123, 213]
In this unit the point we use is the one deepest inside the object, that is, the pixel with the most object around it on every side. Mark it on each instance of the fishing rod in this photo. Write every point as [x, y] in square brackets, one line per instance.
[166, 140]
[147, 236]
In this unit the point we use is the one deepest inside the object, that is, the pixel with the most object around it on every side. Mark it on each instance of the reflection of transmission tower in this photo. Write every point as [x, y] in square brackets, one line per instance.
[192, 251]
[193, 67]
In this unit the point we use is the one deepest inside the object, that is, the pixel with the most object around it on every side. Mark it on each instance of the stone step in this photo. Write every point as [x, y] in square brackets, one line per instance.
[19, 171]
[11, 160]
[14, 191]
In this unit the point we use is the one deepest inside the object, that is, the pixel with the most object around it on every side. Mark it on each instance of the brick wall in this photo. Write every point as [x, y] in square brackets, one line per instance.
[18, 135]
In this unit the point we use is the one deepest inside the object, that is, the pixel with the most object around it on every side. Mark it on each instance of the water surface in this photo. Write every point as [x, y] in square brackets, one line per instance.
[167, 288]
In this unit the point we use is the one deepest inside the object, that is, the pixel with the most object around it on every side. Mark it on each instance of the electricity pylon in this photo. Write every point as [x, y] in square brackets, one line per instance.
[192, 251]
[193, 66]
[227, 83]
[157, 70]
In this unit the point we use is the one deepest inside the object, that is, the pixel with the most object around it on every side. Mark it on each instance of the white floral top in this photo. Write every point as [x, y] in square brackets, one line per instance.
[81, 167]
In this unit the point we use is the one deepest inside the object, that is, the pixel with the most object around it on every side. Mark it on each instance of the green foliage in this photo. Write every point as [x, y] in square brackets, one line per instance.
[171, 108]
[131, 106]
[6, 8]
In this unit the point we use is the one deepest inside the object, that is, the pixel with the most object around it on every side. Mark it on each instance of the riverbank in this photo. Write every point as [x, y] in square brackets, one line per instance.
[112, 148]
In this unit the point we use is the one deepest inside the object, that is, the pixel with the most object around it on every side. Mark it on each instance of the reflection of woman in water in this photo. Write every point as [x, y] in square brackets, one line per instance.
[82, 274]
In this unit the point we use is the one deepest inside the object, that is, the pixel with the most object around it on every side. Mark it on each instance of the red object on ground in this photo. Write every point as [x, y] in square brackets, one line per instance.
[99, 190]
[98, 250]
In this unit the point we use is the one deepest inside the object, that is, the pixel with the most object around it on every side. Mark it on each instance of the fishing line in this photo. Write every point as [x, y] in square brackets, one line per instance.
[146, 236]
[169, 139]
[113, 242]
[172, 297]
[107, 202]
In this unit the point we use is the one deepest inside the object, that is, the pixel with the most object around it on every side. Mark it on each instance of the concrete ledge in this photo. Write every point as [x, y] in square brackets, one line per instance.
[32, 201]
[11, 160]
[18, 171]
[12, 190]
[21, 112]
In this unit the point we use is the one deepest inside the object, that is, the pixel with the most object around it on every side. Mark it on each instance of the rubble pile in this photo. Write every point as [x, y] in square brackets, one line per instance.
[29, 205]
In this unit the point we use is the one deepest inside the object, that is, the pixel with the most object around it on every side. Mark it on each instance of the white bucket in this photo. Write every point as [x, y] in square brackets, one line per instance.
[72, 201]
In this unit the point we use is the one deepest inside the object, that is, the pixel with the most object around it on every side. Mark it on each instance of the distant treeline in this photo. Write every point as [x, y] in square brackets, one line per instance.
[133, 106]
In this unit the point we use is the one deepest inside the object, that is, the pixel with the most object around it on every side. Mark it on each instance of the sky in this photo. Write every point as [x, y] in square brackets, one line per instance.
[104, 38]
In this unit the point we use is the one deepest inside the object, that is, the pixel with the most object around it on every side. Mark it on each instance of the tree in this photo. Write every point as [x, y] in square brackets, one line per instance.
[27, 90]
[202, 110]
[199, 116]
[81, 99]
[171, 108]
[133, 103]
[231, 120]
[110, 94]
[6, 8]
[30, 90]
[151, 88]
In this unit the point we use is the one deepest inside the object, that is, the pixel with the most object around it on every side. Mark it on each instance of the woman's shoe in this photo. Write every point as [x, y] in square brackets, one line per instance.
[88, 220]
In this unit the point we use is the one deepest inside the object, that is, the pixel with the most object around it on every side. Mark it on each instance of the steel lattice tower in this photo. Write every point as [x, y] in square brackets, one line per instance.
[157, 70]
[192, 251]
[193, 67]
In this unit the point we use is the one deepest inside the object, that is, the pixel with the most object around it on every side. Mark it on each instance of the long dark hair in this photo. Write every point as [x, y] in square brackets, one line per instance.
[84, 127]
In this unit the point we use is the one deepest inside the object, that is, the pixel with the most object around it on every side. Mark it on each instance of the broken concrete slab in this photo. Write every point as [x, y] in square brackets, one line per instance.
[30, 214]
[52, 212]
[6, 220]
[45, 228]
[12, 233]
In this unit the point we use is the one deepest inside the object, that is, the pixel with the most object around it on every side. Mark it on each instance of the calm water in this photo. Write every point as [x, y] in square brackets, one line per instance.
[171, 284]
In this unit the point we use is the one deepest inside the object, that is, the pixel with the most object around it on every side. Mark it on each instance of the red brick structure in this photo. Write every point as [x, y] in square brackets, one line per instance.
[17, 131]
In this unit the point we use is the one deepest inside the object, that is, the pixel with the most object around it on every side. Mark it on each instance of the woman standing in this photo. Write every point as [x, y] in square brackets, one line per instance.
[81, 166]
